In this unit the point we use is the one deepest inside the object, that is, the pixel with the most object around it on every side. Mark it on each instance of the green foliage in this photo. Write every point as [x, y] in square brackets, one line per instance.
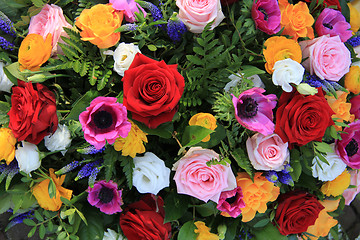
[187, 231]
[128, 164]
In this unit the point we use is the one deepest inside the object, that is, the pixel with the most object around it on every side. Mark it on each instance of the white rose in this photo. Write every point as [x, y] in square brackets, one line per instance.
[112, 235]
[28, 157]
[235, 79]
[150, 174]
[5, 83]
[328, 172]
[60, 140]
[287, 71]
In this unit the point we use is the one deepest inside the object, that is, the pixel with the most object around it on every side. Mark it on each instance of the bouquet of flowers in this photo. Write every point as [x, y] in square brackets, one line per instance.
[186, 119]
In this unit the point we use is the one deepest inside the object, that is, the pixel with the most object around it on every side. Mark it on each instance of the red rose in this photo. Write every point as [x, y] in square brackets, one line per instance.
[145, 220]
[328, 3]
[33, 112]
[152, 90]
[296, 211]
[301, 119]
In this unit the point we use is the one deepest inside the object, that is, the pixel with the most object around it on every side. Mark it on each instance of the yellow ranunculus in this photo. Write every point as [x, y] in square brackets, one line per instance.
[337, 186]
[41, 192]
[7, 142]
[352, 80]
[205, 120]
[204, 232]
[133, 143]
[98, 24]
[34, 51]
[354, 8]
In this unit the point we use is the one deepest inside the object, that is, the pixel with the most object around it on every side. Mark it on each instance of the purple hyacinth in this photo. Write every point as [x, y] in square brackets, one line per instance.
[129, 27]
[93, 176]
[271, 176]
[155, 11]
[329, 87]
[19, 218]
[6, 25]
[91, 150]
[9, 171]
[69, 167]
[287, 169]
[87, 169]
[354, 41]
[175, 28]
[6, 45]
[285, 178]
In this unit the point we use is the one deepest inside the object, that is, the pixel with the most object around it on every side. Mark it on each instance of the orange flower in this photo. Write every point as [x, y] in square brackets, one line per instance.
[354, 7]
[98, 25]
[205, 120]
[204, 232]
[337, 186]
[352, 80]
[256, 194]
[280, 48]
[34, 51]
[7, 142]
[41, 192]
[340, 107]
[296, 20]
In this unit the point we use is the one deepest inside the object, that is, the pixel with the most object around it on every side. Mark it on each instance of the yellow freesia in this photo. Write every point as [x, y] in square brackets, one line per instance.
[204, 232]
[7, 142]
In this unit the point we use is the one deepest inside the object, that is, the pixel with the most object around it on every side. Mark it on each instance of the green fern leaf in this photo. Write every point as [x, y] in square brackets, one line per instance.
[73, 44]
[94, 75]
[240, 157]
[84, 68]
[68, 51]
[110, 158]
[103, 80]
[128, 164]
[195, 60]
[76, 66]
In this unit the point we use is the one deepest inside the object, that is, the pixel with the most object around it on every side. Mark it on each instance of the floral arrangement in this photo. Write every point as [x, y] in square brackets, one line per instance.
[232, 119]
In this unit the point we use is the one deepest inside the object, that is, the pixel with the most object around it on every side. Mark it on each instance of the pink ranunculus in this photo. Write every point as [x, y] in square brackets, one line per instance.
[348, 147]
[129, 7]
[355, 106]
[327, 57]
[266, 15]
[50, 20]
[267, 152]
[104, 120]
[197, 14]
[193, 177]
[350, 193]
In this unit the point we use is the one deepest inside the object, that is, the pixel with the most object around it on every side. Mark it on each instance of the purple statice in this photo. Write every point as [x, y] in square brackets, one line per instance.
[87, 169]
[19, 218]
[5, 44]
[6, 25]
[69, 167]
[354, 41]
[91, 150]
[155, 11]
[175, 28]
[285, 178]
[271, 176]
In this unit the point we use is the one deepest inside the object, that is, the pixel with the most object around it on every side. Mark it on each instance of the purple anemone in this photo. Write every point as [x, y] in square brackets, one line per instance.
[129, 7]
[104, 195]
[253, 110]
[231, 202]
[355, 106]
[348, 147]
[267, 15]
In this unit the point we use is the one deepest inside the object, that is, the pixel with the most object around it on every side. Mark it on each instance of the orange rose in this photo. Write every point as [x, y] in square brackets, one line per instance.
[279, 48]
[256, 194]
[98, 24]
[296, 20]
[340, 107]
[34, 51]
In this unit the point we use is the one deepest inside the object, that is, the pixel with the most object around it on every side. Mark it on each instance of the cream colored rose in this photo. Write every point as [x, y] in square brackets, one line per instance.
[5, 83]
[28, 157]
[287, 71]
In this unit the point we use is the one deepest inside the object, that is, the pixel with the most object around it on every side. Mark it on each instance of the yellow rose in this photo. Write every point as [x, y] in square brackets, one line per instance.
[41, 192]
[204, 232]
[7, 142]
[98, 24]
[205, 120]
[352, 80]
[337, 186]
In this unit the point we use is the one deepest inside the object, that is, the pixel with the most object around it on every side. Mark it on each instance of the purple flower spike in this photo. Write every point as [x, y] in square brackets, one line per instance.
[348, 147]
[331, 21]
[231, 202]
[267, 15]
[253, 110]
[104, 195]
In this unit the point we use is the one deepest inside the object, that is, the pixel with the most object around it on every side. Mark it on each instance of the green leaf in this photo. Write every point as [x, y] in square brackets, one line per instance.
[52, 189]
[29, 222]
[5, 202]
[38, 3]
[81, 104]
[42, 231]
[242, 160]
[73, 44]
[215, 137]
[187, 231]
[199, 51]
[261, 223]
[249, 71]
[12, 71]
[163, 130]
[69, 51]
[323, 147]
[152, 48]
[110, 158]
[195, 60]
[269, 232]
[295, 165]
[95, 229]
[207, 209]
[32, 232]
[103, 80]
[193, 135]
[128, 164]
[175, 206]
[38, 216]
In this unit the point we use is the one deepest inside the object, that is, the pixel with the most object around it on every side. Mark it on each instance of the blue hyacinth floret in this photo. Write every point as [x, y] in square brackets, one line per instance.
[175, 28]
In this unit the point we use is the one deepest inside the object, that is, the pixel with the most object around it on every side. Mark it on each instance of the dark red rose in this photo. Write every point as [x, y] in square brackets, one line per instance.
[145, 220]
[33, 112]
[328, 3]
[296, 211]
[228, 2]
[301, 119]
[152, 90]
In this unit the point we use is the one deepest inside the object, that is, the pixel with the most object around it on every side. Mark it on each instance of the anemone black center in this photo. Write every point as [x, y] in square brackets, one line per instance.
[248, 108]
[106, 195]
[266, 16]
[232, 199]
[328, 25]
[352, 148]
[103, 119]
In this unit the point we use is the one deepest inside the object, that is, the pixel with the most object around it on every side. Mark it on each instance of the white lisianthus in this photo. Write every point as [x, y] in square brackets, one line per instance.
[306, 89]
[60, 140]
[235, 79]
[150, 174]
[112, 235]
[328, 172]
[5, 83]
[287, 71]
[28, 157]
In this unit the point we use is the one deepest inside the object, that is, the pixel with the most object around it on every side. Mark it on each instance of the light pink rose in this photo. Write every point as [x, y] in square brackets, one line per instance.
[326, 56]
[50, 20]
[350, 193]
[267, 152]
[193, 177]
[197, 14]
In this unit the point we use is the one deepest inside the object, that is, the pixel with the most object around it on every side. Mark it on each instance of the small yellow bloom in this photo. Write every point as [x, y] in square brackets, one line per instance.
[340, 107]
[337, 186]
[352, 80]
[41, 192]
[7, 142]
[204, 232]
[133, 143]
[354, 8]
[205, 120]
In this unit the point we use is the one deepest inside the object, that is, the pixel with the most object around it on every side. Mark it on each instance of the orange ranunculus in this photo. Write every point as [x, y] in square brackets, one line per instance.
[352, 80]
[256, 194]
[7, 142]
[337, 186]
[204, 232]
[279, 48]
[34, 51]
[98, 24]
[205, 120]
[41, 192]
[324, 222]
[340, 107]
[296, 20]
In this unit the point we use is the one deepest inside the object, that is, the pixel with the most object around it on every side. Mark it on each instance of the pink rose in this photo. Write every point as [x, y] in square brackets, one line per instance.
[267, 152]
[326, 56]
[50, 20]
[197, 14]
[350, 193]
[193, 177]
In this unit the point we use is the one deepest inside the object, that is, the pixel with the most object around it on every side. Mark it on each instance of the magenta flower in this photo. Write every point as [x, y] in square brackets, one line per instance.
[331, 21]
[231, 202]
[129, 7]
[104, 120]
[253, 110]
[355, 106]
[348, 147]
[104, 195]
[267, 15]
